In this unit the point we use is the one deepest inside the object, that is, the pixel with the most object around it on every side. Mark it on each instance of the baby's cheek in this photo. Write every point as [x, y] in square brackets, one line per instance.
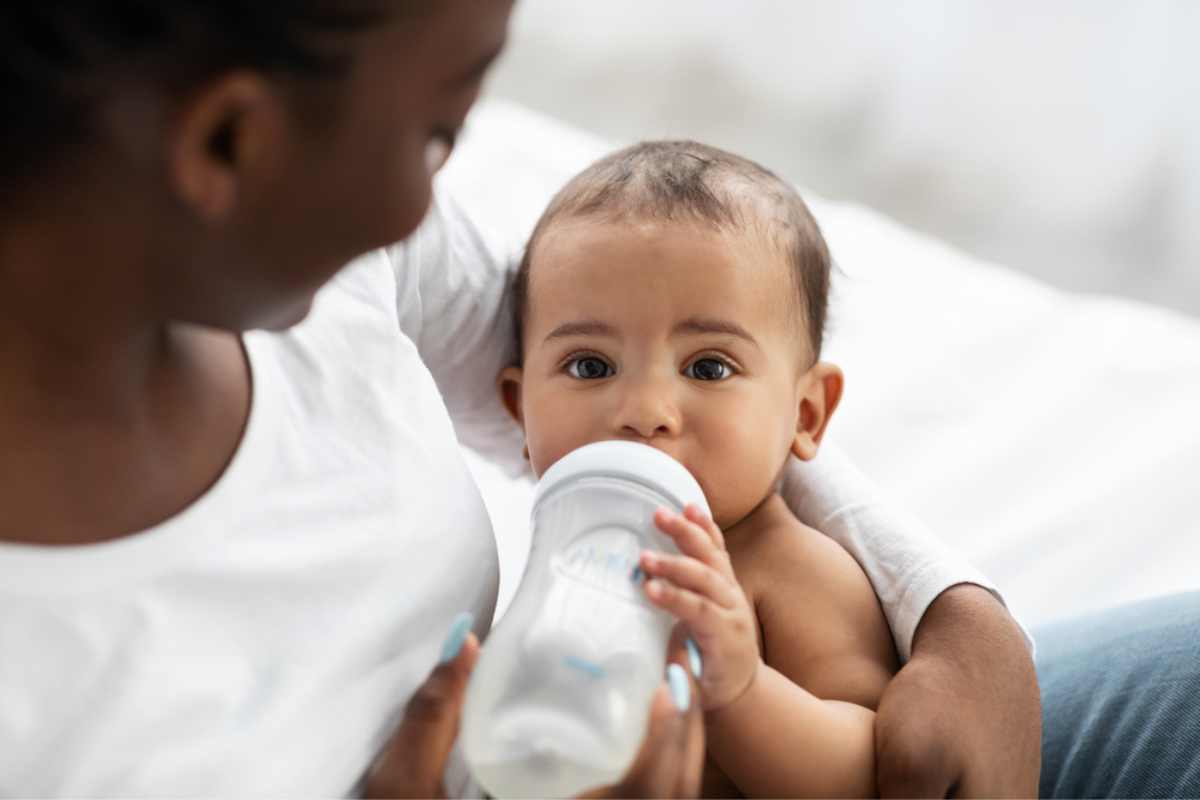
[741, 460]
[551, 434]
[738, 494]
[543, 450]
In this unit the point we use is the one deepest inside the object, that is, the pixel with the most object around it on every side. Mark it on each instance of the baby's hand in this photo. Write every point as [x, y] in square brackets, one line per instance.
[699, 588]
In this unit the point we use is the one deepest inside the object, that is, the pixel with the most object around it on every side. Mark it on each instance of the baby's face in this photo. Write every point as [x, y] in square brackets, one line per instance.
[671, 335]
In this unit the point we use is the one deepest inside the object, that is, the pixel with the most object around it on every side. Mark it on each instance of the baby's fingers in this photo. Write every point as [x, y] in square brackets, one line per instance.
[695, 611]
[689, 573]
[694, 514]
[693, 540]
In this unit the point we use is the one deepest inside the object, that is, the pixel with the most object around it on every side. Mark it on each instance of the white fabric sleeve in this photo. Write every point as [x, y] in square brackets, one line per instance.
[454, 300]
[907, 565]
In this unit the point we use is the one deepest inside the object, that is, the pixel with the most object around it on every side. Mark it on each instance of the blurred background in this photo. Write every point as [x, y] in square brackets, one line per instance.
[1059, 139]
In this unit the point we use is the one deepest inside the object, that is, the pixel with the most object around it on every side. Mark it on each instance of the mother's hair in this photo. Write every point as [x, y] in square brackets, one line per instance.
[61, 59]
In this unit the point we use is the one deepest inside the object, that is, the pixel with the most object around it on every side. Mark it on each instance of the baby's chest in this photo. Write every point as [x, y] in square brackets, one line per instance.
[794, 631]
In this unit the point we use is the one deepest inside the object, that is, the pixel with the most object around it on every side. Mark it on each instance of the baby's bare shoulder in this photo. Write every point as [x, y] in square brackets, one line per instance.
[787, 556]
[821, 622]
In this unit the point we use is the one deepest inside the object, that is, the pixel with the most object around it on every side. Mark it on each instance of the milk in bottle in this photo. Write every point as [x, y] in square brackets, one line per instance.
[559, 699]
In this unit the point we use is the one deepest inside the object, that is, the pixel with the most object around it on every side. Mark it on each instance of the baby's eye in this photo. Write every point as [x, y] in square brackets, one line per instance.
[588, 368]
[708, 369]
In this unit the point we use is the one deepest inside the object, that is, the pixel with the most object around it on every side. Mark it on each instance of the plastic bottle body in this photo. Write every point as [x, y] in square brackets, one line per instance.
[559, 699]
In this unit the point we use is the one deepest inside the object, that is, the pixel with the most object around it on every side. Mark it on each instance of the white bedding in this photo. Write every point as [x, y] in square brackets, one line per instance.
[1052, 437]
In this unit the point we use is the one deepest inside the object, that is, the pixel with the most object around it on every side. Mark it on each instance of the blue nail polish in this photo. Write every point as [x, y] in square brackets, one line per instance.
[458, 634]
[694, 659]
[681, 690]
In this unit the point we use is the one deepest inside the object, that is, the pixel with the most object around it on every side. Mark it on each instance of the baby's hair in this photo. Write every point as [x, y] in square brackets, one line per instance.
[684, 181]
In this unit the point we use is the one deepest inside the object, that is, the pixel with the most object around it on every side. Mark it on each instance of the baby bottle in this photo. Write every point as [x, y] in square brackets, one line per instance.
[559, 699]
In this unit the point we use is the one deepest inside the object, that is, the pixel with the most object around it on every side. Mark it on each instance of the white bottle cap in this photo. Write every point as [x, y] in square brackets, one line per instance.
[637, 463]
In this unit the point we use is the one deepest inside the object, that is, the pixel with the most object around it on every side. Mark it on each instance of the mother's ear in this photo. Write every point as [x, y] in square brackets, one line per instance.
[227, 140]
[819, 398]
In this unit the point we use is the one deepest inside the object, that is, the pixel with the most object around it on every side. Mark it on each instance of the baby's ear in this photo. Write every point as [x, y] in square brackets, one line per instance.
[821, 391]
[509, 385]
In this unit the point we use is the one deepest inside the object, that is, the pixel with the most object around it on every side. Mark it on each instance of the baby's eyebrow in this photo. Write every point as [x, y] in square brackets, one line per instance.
[583, 327]
[713, 325]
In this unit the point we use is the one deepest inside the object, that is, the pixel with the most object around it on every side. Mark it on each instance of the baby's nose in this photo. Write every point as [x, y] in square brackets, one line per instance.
[649, 412]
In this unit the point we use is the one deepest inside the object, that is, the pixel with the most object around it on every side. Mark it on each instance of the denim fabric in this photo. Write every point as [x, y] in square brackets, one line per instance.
[1121, 701]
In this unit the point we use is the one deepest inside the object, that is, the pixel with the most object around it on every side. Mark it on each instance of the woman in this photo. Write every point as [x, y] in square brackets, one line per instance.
[230, 556]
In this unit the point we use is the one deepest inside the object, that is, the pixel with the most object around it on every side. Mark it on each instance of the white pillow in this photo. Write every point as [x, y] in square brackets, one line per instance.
[1052, 437]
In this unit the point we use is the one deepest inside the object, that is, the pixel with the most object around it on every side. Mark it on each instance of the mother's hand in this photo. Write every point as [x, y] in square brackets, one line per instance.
[669, 764]
[671, 761]
[412, 763]
[963, 717]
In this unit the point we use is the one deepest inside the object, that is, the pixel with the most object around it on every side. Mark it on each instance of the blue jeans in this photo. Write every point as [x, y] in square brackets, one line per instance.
[1121, 701]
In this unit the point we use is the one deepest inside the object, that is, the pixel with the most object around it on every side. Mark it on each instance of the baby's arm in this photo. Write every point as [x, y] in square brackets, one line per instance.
[822, 628]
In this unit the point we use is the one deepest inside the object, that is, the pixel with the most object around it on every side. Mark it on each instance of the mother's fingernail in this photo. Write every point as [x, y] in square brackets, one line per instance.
[458, 634]
[694, 659]
[681, 690]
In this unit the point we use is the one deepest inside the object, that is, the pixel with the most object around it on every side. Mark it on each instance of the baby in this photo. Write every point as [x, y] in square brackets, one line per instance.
[673, 294]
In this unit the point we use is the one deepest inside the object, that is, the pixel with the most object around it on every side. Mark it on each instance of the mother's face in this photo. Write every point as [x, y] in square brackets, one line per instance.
[319, 170]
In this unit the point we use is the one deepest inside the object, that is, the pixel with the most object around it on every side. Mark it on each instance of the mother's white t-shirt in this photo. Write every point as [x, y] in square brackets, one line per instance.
[264, 641]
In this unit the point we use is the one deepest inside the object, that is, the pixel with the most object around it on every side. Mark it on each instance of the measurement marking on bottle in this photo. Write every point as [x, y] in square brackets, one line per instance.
[591, 669]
